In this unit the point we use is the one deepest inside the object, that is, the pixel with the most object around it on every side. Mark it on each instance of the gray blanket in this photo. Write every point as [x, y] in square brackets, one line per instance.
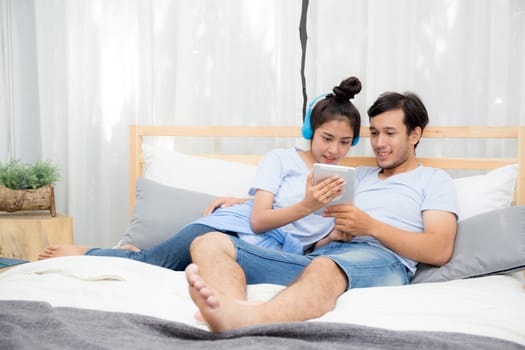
[38, 325]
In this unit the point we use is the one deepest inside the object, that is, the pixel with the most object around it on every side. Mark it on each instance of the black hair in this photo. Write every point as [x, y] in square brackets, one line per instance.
[415, 113]
[337, 106]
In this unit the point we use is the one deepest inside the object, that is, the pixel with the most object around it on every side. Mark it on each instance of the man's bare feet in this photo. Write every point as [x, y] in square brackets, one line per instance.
[200, 319]
[220, 312]
[55, 251]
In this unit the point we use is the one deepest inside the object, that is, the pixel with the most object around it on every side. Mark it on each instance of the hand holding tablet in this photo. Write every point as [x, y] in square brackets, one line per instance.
[324, 171]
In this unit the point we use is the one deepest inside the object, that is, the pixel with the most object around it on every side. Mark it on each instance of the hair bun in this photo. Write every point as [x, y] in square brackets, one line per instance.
[347, 89]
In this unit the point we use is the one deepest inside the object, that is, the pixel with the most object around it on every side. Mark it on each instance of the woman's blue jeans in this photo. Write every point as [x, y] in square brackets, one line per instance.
[173, 253]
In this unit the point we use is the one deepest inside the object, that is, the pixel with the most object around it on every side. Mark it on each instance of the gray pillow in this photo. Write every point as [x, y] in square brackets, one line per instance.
[486, 244]
[161, 211]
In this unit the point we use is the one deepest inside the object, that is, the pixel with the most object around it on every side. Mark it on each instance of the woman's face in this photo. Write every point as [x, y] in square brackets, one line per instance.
[332, 141]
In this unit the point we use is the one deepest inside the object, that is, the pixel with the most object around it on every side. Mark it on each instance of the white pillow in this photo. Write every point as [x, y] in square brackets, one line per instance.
[483, 193]
[200, 174]
[476, 194]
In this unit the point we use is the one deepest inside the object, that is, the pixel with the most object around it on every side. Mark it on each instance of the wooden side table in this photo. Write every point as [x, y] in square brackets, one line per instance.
[23, 235]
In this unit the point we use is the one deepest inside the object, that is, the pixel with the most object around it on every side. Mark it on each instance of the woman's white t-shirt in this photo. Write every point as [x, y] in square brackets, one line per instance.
[283, 173]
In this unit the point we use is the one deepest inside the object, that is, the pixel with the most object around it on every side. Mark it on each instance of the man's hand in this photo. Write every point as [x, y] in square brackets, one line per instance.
[334, 235]
[223, 202]
[350, 220]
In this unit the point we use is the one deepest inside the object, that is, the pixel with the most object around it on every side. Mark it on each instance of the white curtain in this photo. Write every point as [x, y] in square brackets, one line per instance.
[75, 74]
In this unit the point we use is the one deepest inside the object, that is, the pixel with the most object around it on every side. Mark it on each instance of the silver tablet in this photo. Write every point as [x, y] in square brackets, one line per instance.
[323, 171]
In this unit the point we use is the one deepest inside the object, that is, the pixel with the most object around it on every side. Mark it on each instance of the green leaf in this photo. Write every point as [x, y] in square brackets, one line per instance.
[16, 175]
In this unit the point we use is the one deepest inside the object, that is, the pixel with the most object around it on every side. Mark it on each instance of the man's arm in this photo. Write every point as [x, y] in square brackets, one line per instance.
[433, 246]
[223, 202]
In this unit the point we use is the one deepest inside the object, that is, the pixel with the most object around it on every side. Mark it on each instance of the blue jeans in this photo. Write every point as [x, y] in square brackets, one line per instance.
[364, 265]
[173, 253]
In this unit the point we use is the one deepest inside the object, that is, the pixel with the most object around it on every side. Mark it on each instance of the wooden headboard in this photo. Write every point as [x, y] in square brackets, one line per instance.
[138, 132]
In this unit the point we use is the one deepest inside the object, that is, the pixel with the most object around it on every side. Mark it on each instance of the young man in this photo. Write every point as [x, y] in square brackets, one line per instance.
[404, 213]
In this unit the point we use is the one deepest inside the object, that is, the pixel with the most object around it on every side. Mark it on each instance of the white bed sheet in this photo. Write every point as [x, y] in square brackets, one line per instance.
[490, 306]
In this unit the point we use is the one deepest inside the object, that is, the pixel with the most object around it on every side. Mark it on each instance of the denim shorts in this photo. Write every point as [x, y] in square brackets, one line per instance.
[365, 265]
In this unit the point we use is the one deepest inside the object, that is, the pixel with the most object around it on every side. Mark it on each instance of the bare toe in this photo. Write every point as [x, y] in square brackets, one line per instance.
[62, 250]
[219, 311]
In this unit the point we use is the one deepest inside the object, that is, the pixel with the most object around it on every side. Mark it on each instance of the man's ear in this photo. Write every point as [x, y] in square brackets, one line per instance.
[415, 135]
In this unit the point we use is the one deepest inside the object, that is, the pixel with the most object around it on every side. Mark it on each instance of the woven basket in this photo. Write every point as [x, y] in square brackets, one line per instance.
[42, 198]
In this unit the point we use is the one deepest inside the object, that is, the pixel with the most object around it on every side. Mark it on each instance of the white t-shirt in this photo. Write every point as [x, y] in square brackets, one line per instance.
[401, 199]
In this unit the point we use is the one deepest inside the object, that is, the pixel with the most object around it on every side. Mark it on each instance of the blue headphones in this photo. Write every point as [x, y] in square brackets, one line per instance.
[307, 131]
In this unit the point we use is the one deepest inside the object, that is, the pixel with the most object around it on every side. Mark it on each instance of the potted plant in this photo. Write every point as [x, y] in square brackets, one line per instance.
[28, 186]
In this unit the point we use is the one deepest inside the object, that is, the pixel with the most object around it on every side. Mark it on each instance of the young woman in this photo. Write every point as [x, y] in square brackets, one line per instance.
[281, 213]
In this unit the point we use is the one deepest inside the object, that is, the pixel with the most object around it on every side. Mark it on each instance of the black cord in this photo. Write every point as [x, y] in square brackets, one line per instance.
[303, 36]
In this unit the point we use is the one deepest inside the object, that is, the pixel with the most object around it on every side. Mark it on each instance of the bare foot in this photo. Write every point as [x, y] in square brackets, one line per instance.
[220, 312]
[62, 250]
[200, 319]
[128, 247]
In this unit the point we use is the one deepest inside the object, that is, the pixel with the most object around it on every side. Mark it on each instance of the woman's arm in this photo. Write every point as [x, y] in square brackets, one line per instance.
[264, 217]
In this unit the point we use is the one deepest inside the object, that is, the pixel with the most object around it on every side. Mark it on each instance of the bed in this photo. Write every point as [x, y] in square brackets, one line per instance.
[475, 301]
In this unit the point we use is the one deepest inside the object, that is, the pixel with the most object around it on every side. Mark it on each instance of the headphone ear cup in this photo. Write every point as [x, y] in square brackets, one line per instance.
[355, 141]
[306, 130]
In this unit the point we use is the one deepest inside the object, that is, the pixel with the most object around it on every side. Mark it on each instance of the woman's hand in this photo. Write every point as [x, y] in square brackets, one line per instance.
[317, 195]
[223, 202]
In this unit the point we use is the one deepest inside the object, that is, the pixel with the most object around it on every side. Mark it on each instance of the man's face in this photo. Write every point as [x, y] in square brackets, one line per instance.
[393, 148]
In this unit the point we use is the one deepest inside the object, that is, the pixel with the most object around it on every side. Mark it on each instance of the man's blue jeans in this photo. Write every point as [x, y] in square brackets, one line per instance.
[364, 265]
